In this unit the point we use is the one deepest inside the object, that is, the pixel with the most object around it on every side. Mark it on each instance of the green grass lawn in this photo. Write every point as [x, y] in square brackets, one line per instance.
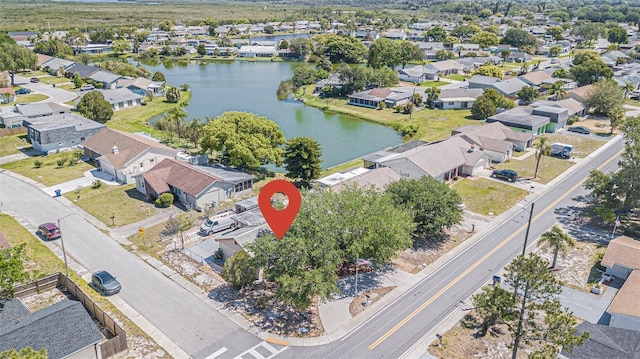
[457, 77]
[582, 146]
[517, 154]
[343, 166]
[550, 167]
[136, 119]
[432, 124]
[485, 196]
[54, 80]
[434, 83]
[11, 144]
[30, 98]
[125, 203]
[49, 173]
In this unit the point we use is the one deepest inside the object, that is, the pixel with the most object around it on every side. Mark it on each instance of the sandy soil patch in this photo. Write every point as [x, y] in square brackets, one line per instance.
[576, 269]
[366, 299]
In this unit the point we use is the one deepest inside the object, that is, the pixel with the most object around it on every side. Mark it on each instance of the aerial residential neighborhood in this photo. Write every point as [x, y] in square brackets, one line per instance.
[466, 174]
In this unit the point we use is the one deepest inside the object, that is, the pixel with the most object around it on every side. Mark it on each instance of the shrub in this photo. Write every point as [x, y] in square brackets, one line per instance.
[61, 162]
[382, 105]
[165, 200]
[572, 120]
[397, 108]
[96, 184]
[37, 163]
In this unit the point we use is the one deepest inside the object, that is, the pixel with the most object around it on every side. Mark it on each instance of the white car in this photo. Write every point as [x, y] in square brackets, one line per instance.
[87, 87]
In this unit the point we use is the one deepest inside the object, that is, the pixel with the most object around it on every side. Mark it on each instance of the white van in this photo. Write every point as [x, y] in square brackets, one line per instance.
[213, 225]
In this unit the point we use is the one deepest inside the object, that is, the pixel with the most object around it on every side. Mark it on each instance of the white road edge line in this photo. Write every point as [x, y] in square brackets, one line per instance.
[217, 353]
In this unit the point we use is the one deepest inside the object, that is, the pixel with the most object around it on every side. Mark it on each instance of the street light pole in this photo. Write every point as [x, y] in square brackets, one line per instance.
[64, 252]
[526, 235]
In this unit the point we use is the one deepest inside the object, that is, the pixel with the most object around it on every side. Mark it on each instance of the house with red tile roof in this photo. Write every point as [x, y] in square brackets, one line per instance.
[197, 187]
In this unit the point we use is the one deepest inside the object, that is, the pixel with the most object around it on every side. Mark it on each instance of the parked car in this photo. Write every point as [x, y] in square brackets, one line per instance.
[105, 282]
[213, 225]
[49, 231]
[34, 79]
[23, 91]
[555, 60]
[508, 175]
[579, 129]
[87, 87]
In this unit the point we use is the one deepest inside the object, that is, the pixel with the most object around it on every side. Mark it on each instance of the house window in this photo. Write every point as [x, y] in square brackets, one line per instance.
[141, 166]
[451, 103]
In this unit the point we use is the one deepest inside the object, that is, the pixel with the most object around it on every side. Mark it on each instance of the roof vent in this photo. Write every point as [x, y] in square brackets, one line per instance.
[114, 149]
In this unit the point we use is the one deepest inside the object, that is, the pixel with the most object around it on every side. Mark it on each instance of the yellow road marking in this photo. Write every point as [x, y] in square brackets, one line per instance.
[277, 341]
[476, 264]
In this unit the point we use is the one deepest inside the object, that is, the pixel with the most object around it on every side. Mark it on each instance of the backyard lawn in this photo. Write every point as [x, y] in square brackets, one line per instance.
[49, 173]
[431, 125]
[11, 144]
[550, 167]
[484, 196]
[125, 203]
[582, 146]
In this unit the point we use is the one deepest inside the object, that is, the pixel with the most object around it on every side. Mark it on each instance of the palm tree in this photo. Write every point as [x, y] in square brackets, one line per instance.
[616, 116]
[557, 90]
[542, 149]
[628, 87]
[194, 129]
[559, 240]
[505, 55]
[175, 116]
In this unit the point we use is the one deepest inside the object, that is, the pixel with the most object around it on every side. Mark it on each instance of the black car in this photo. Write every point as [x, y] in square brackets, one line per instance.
[579, 129]
[23, 91]
[507, 175]
[105, 282]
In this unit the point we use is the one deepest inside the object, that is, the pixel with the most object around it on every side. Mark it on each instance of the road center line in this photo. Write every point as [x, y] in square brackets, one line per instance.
[477, 263]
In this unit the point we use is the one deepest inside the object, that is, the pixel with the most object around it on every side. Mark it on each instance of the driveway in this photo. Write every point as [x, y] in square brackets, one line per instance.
[55, 94]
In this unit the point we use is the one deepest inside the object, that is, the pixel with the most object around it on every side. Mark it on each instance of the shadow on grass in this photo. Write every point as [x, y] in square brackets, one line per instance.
[133, 193]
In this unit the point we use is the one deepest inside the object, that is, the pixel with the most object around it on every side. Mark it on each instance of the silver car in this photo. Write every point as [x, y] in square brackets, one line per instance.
[105, 282]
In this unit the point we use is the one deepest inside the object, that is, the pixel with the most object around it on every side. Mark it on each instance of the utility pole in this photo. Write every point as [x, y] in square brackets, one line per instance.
[526, 235]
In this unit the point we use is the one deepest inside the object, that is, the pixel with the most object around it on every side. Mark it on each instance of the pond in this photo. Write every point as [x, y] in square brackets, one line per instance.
[251, 87]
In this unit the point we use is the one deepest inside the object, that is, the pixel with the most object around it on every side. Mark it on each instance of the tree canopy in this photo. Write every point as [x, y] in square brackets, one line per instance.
[358, 78]
[244, 139]
[485, 39]
[302, 158]
[94, 106]
[332, 229]
[26, 353]
[489, 70]
[604, 96]
[527, 94]
[518, 38]
[588, 68]
[433, 204]
[14, 58]
[342, 48]
[12, 271]
[53, 47]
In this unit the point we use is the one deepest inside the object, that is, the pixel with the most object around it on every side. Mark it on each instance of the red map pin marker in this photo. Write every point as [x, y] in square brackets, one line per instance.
[279, 221]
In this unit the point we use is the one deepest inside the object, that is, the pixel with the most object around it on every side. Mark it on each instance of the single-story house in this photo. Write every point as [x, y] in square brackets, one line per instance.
[33, 110]
[140, 85]
[92, 48]
[518, 56]
[257, 51]
[123, 155]
[54, 65]
[11, 119]
[395, 34]
[482, 82]
[417, 74]
[60, 132]
[7, 95]
[333, 80]
[84, 71]
[497, 140]
[106, 78]
[579, 93]
[522, 119]
[442, 160]
[469, 64]
[457, 99]
[535, 78]
[338, 177]
[65, 329]
[509, 87]
[379, 178]
[236, 241]
[445, 68]
[573, 107]
[624, 310]
[372, 98]
[195, 186]
[622, 257]
[119, 99]
[558, 116]
[604, 342]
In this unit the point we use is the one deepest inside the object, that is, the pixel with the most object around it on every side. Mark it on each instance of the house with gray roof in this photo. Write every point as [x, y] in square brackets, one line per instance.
[509, 87]
[65, 329]
[573, 107]
[497, 140]
[558, 116]
[373, 97]
[521, 119]
[141, 85]
[604, 342]
[417, 74]
[119, 99]
[60, 132]
[379, 178]
[456, 99]
[445, 68]
[85, 71]
[33, 110]
[236, 241]
[482, 82]
[333, 80]
[442, 160]
[257, 51]
[106, 78]
[55, 64]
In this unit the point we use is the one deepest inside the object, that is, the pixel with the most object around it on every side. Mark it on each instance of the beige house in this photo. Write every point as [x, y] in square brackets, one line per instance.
[124, 155]
[497, 140]
[622, 257]
[579, 93]
[237, 240]
[625, 308]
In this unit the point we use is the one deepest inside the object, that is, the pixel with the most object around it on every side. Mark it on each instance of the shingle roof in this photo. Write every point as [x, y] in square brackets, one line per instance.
[485, 80]
[535, 77]
[41, 109]
[461, 94]
[10, 311]
[624, 251]
[119, 95]
[605, 342]
[62, 121]
[63, 328]
[487, 134]
[179, 174]
[83, 70]
[510, 86]
[581, 91]
[571, 105]
[519, 117]
[105, 76]
[56, 63]
[626, 301]
[445, 65]
[129, 146]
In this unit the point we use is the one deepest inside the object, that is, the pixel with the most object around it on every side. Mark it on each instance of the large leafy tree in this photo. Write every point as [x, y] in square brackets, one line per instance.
[617, 35]
[301, 47]
[527, 94]
[588, 68]
[238, 270]
[485, 39]
[589, 32]
[332, 229]
[533, 314]
[302, 158]
[102, 34]
[245, 139]
[483, 108]
[12, 271]
[158, 76]
[604, 97]
[518, 38]
[616, 117]
[559, 241]
[94, 106]
[436, 33]
[382, 53]
[489, 70]
[344, 49]
[14, 58]
[53, 47]
[407, 51]
[433, 204]
[173, 95]
[359, 77]
[542, 149]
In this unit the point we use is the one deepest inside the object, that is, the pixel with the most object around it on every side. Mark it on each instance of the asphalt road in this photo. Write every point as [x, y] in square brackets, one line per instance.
[55, 94]
[196, 327]
[393, 330]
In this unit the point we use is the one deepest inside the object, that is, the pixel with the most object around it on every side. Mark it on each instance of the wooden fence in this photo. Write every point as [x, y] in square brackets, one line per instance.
[116, 344]
[12, 131]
